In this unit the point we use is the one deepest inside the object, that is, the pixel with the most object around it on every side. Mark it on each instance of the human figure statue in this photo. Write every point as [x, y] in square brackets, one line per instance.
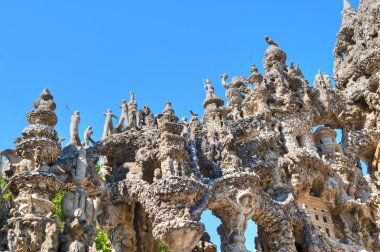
[144, 114]
[87, 137]
[234, 94]
[134, 117]
[79, 173]
[327, 80]
[38, 158]
[124, 114]
[78, 200]
[244, 209]
[149, 120]
[185, 131]
[108, 125]
[74, 129]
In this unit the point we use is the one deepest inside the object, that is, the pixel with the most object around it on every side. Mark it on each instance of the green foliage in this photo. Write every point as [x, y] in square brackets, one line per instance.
[102, 241]
[162, 248]
[97, 168]
[3, 183]
[7, 195]
[57, 202]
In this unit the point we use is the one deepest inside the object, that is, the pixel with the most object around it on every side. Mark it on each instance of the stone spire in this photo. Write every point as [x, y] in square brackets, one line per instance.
[348, 13]
[32, 226]
[212, 100]
[215, 113]
[173, 157]
[39, 141]
[346, 5]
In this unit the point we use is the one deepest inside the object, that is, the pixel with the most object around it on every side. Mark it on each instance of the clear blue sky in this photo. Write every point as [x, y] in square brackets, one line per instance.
[90, 54]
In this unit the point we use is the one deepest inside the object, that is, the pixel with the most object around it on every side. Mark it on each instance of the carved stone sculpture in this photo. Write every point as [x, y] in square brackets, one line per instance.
[271, 155]
[108, 125]
[124, 115]
[74, 129]
[87, 137]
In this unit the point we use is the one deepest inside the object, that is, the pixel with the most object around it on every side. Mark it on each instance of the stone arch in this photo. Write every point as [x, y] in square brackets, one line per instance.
[251, 235]
[268, 214]
[211, 223]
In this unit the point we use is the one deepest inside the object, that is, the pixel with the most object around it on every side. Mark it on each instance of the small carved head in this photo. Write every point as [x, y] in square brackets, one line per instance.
[245, 198]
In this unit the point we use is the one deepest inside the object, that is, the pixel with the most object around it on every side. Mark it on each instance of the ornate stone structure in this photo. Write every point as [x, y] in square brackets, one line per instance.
[255, 158]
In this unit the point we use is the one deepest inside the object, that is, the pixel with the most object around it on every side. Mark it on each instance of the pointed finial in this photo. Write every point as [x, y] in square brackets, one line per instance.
[46, 93]
[168, 108]
[346, 5]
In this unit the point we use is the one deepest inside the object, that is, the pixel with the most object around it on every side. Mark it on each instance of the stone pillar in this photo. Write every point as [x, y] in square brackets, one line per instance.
[173, 155]
[215, 118]
[118, 221]
[31, 226]
[79, 208]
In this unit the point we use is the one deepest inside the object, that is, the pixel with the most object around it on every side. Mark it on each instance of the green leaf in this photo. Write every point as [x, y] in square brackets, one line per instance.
[57, 200]
[102, 241]
[7, 195]
[162, 248]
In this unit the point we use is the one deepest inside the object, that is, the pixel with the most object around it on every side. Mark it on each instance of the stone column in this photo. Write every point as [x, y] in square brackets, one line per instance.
[173, 155]
[79, 208]
[31, 226]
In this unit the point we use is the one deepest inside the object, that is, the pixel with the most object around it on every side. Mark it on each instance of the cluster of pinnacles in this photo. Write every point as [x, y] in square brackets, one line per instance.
[150, 177]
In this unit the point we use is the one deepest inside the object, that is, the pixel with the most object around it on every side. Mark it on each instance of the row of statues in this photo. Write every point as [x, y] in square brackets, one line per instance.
[74, 132]
[130, 117]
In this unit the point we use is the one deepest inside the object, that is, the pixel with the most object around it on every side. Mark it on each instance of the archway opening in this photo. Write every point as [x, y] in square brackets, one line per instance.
[212, 223]
[364, 167]
[250, 235]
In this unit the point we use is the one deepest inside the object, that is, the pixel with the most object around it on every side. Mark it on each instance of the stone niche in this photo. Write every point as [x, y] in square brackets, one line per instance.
[325, 141]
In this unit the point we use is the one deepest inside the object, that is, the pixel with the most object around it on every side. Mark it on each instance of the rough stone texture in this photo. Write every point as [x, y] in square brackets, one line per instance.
[255, 158]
